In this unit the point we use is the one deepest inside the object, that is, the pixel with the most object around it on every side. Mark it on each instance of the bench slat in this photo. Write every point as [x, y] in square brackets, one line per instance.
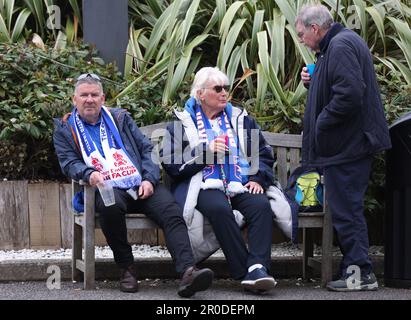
[282, 166]
[283, 140]
[294, 159]
[310, 222]
[158, 128]
[80, 265]
[135, 221]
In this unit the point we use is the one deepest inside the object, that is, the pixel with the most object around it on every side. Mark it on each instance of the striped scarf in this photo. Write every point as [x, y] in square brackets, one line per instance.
[230, 174]
[115, 163]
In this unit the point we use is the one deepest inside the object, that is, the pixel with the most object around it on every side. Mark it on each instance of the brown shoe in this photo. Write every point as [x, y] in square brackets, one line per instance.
[128, 280]
[194, 280]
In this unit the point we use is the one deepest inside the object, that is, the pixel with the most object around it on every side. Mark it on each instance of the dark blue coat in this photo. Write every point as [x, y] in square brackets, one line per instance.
[176, 146]
[137, 145]
[344, 117]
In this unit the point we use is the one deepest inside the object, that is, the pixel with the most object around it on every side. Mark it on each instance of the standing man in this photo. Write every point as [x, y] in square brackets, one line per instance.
[94, 143]
[344, 126]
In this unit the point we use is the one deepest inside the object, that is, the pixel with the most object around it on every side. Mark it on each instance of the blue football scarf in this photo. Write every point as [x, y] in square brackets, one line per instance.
[115, 164]
[228, 175]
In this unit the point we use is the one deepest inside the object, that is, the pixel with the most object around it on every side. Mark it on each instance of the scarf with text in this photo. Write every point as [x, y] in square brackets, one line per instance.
[230, 174]
[115, 164]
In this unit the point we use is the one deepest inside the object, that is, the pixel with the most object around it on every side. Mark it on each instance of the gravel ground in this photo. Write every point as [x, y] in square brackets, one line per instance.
[146, 251]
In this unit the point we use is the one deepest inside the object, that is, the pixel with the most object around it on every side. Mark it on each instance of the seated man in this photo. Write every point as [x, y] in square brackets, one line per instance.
[89, 143]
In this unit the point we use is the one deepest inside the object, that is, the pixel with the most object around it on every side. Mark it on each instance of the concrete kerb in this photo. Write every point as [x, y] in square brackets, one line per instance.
[152, 268]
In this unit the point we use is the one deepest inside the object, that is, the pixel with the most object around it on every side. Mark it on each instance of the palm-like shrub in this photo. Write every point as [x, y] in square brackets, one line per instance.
[18, 18]
[255, 43]
[11, 27]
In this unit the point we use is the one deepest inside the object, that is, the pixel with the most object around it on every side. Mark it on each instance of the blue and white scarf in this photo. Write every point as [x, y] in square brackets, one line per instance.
[115, 164]
[232, 173]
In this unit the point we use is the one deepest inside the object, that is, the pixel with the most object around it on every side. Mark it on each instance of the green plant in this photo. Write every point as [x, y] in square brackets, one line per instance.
[145, 103]
[11, 29]
[35, 86]
[254, 42]
[42, 13]
[168, 49]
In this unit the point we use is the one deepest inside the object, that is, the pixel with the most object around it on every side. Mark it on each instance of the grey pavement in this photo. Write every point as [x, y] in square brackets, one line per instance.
[27, 280]
[165, 289]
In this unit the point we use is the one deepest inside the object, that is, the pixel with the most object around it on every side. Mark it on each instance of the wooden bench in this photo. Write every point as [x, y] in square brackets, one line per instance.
[287, 148]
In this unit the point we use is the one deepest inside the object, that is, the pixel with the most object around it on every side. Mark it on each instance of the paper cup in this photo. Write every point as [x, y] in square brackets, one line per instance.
[310, 67]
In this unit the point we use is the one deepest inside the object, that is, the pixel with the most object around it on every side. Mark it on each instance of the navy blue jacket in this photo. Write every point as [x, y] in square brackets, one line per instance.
[176, 146]
[344, 118]
[137, 145]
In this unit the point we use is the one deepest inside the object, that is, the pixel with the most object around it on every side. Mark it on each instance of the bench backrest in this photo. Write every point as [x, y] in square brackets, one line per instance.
[286, 147]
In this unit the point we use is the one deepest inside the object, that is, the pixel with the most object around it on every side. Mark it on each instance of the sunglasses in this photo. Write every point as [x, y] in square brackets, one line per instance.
[89, 75]
[218, 89]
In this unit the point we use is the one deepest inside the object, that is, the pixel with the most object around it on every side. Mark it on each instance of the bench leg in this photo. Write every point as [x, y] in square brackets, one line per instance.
[308, 251]
[76, 253]
[327, 241]
[89, 259]
[88, 233]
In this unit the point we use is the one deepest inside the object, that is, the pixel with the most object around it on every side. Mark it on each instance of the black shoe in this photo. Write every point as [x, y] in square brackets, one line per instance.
[346, 284]
[194, 280]
[128, 280]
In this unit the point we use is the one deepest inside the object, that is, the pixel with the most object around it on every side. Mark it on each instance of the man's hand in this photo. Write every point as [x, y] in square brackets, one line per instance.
[254, 187]
[305, 76]
[145, 190]
[95, 178]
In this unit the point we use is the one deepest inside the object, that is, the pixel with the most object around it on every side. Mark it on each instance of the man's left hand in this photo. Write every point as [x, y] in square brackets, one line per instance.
[254, 187]
[145, 190]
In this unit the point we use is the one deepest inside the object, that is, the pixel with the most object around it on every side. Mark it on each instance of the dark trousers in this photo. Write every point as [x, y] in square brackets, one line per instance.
[346, 187]
[256, 209]
[160, 207]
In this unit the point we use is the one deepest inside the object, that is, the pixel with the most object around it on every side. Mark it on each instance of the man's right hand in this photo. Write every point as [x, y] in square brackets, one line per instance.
[95, 178]
[305, 76]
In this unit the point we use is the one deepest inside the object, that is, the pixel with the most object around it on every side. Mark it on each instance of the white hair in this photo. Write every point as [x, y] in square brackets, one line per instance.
[315, 14]
[88, 80]
[204, 76]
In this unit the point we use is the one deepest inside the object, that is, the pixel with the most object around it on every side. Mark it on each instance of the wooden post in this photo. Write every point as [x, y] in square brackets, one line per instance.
[88, 238]
[77, 241]
[105, 24]
[44, 214]
[308, 251]
[14, 215]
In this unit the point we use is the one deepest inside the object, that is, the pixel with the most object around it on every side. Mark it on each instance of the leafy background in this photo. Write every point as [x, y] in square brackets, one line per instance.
[254, 42]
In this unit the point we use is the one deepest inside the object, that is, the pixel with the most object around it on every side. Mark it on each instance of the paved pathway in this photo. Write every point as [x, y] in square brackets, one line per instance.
[222, 289]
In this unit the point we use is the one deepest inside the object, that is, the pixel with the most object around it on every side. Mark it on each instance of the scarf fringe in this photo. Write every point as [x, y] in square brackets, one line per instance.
[235, 188]
[213, 184]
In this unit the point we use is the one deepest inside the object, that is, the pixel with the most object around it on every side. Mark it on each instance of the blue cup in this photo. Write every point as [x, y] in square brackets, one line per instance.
[310, 67]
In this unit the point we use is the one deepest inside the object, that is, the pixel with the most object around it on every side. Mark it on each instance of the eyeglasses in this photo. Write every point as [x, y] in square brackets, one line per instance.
[89, 75]
[218, 89]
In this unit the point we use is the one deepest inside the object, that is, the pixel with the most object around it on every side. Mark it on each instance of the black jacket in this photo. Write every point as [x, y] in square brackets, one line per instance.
[344, 118]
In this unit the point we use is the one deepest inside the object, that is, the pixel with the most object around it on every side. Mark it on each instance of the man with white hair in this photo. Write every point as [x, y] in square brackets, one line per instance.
[344, 126]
